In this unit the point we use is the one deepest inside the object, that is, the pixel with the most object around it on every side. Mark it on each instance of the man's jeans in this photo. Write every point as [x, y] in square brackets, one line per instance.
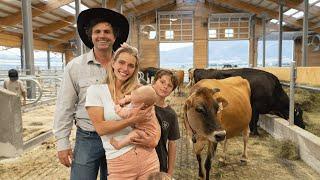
[89, 155]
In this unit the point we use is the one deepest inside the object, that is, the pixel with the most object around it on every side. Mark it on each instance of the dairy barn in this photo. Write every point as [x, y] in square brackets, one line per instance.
[271, 39]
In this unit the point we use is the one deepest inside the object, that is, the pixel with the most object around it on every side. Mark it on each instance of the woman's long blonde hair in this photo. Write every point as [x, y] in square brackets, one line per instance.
[132, 82]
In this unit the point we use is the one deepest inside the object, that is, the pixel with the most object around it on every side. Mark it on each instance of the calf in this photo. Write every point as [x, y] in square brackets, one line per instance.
[267, 95]
[215, 110]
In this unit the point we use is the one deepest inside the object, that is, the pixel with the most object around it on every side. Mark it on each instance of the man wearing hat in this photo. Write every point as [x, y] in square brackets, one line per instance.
[13, 84]
[102, 30]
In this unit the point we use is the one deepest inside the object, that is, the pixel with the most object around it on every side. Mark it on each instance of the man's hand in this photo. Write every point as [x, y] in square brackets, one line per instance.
[24, 102]
[65, 157]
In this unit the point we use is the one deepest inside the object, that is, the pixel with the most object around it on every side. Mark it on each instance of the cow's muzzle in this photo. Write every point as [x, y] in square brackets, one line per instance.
[217, 136]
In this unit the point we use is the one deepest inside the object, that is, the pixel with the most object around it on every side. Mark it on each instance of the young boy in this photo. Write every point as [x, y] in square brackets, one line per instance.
[147, 96]
[14, 85]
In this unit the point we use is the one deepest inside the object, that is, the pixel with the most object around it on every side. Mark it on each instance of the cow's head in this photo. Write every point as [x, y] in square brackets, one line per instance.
[202, 111]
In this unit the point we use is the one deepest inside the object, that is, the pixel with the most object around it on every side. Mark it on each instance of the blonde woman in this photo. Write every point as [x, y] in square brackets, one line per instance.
[132, 161]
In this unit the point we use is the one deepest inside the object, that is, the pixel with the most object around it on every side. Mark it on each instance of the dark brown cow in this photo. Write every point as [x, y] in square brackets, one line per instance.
[215, 110]
[149, 72]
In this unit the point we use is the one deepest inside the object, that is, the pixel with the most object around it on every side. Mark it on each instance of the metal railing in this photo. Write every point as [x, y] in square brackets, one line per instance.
[42, 88]
[314, 89]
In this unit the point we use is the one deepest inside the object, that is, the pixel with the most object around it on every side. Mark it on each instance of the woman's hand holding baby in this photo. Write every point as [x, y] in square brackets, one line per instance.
[141, 114]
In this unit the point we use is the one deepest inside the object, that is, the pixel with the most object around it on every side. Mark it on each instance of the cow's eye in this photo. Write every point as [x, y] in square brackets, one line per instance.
[200, 109]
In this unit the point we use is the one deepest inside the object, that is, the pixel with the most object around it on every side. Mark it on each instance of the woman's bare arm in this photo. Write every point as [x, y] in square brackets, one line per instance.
[103, 127]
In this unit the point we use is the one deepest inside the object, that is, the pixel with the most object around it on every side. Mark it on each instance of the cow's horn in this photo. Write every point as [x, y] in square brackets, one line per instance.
[215, 90]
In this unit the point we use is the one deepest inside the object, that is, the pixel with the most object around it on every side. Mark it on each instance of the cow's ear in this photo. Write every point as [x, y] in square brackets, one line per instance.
[222, 103]
[215, 90]
[185, 122]
[186, 104]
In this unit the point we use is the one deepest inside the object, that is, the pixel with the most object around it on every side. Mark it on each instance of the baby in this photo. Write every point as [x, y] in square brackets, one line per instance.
[146, 95]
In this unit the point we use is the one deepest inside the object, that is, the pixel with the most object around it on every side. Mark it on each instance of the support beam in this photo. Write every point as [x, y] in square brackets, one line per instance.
[10, 40]
[78, 39]
[111, 4]
[305, 34]
[264, 41]
[299, 6]
[289, 3]
[104, 3]
[28, 39]
[37, 11]
[48, 59]
[145, 17]
[215, 8]
[280, 34]
[253, 43]
[146, 7]
[64, 38]
[259, 10]
[55, 26]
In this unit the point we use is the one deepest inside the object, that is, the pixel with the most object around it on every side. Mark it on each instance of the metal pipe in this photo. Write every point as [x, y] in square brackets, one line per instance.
[28, 36]
[22, 62]
[291, 92]
[104, 3]
[314, 89]
[78, 40]
[305, 34]
[48, 59]
[28, 45]
[263, 41]
[280, 32]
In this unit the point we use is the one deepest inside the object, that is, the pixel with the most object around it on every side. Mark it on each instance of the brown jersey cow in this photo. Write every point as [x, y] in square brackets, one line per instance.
[217, 110]
[180, 77]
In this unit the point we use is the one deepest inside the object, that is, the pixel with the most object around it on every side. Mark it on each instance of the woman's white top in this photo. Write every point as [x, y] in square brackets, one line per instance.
[99, 95]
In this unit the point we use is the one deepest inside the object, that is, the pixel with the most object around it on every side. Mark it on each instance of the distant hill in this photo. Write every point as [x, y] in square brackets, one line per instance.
[11, 59]
[236, 52]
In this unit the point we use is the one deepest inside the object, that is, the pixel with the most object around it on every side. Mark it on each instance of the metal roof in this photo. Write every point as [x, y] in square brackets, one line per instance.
[53, 24]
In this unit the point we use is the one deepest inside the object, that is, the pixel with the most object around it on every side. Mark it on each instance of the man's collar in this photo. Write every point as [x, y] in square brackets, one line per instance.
[91, 58]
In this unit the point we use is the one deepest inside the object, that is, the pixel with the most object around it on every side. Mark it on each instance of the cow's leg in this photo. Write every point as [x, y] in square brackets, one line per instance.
[245, 134]
[211, 151]
[150, 79]
[197, 148]
[254, 122]
[200, 173]
[224, 154]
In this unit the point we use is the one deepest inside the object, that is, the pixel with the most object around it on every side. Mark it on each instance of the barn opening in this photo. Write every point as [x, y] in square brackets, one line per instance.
[234, 53]
[228, 40]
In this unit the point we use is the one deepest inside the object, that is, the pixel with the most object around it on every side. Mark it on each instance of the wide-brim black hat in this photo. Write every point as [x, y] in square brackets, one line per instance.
[116, 20]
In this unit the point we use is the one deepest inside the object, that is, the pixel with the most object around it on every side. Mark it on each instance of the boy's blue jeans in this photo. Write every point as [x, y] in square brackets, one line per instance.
[89, 155]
